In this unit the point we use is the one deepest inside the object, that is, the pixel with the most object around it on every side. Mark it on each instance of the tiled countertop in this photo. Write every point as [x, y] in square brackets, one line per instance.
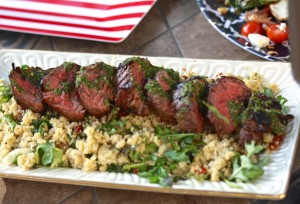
[172, 28]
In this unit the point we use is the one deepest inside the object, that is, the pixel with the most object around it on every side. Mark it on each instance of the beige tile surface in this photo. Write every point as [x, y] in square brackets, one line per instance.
[28, 192]
[198, 39]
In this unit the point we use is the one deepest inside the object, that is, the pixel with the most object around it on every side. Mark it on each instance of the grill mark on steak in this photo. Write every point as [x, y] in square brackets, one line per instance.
[96, 88]
[130, 95]
[25, 85]
[187, 103]
[59, 91]
[226, 90]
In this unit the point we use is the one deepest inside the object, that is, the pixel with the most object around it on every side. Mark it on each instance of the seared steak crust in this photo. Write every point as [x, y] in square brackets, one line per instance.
[59, 91]
[25, 85]
[130, 95]
[187, 103]
[96, 88]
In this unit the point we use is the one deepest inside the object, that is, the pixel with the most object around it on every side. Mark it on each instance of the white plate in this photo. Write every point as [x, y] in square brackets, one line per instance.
[272, 185]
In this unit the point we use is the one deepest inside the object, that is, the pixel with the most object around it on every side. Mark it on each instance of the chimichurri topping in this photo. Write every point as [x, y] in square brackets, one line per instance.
[236, 108]
[34, 75]
[154, 88]
[68, 65]
[108, 77]
[266, 111]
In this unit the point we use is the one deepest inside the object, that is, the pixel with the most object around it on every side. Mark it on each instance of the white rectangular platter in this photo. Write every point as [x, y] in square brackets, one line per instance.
[272, 185]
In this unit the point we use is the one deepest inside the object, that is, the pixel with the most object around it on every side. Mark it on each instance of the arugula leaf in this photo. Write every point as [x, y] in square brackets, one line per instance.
[177, 156]
[41, 125]
[243, 168]
[268, 92]
[164, 131]
[10, 121]
[216, 112]
[232, 184]
[253, 149]
[114, 126]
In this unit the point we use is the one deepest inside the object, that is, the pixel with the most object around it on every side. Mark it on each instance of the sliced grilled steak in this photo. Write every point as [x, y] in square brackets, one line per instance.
[159, 94]
[229, 96]
[263, 115]
[25, 84]
[131, 79]
[167, 79]
[59, 91]
[96, 88]
[187, 103]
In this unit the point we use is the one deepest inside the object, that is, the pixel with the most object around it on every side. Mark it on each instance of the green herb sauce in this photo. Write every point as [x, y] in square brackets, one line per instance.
[153, 87]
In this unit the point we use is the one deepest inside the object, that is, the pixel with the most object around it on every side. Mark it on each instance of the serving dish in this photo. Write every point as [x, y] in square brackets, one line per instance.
[230, 24]
[272, 185]
[99, 20]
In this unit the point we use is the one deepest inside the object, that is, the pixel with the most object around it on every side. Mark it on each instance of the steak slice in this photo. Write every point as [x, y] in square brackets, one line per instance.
[66, 104]
[25, 85]
[159, 95]
[59, 91]
[187, 103]
[96, 88]
[227, 92]
[131, 79]
[263, 115]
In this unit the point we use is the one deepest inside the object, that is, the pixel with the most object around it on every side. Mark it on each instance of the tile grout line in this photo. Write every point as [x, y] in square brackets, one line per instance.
[95, 196]
[169, 29]
[70, 195]
[53, 47]
[35, 43]
[164, 32]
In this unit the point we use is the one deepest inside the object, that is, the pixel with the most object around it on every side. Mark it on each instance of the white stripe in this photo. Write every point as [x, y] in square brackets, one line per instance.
[129, 21]
[75, 10]
[111, 2]
[117, 34]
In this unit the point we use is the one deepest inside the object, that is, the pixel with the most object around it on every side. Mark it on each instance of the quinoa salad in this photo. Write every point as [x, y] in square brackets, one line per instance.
[139, 144]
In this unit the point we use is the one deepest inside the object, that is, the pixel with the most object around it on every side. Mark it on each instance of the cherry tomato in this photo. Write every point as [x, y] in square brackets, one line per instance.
[276, 142]
[275, 34]
[252, 27]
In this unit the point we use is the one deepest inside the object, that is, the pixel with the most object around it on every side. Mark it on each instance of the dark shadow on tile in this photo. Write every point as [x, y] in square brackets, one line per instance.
[162, 46]
[20, 191]
[43, 43]
[149, 28]
[199, 39]
[85, 195]
[176, 11]
[190, 199]
[14, 40]
[112, 196]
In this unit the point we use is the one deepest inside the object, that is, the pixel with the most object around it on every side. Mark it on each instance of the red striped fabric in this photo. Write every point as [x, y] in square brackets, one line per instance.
[100, 20]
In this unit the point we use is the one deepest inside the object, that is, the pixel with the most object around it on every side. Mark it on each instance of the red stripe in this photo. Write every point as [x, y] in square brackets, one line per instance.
[110, 18]
[60, 33]
[116, 28]
[94, 5]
